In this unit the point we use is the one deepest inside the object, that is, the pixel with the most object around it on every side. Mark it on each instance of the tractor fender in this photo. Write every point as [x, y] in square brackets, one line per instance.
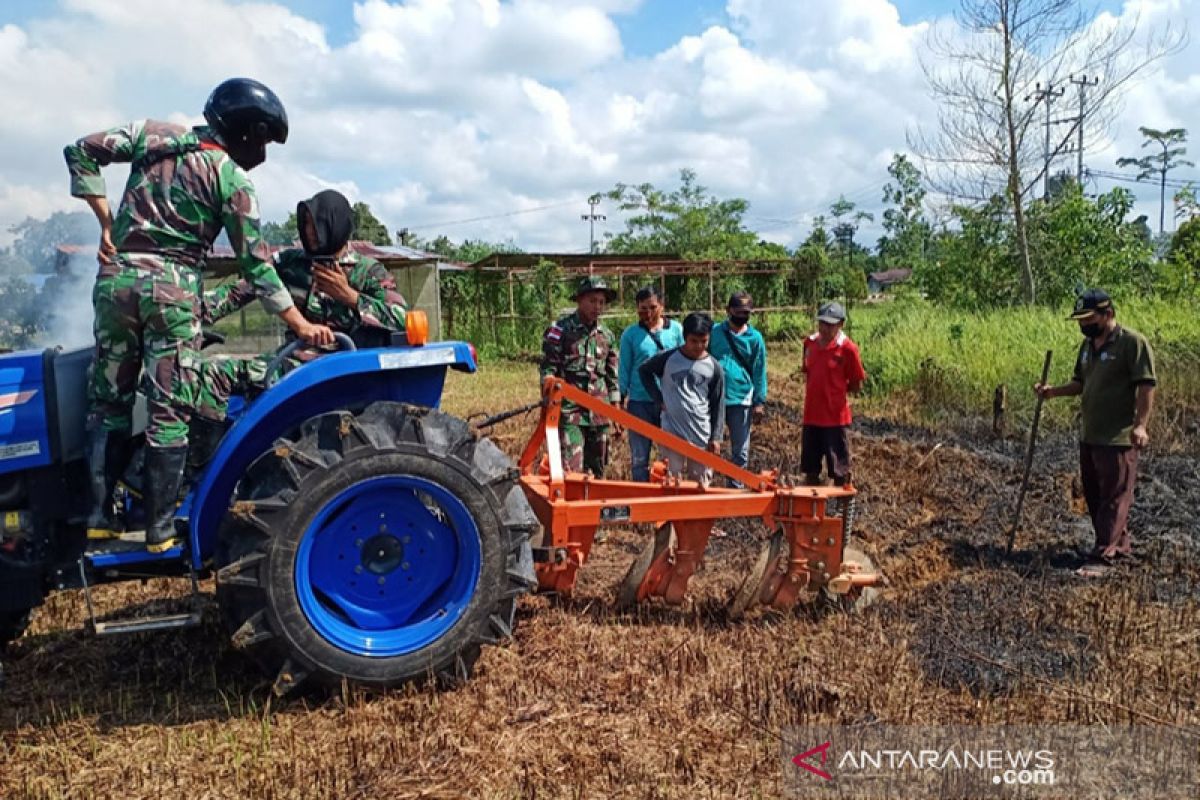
[413, 375]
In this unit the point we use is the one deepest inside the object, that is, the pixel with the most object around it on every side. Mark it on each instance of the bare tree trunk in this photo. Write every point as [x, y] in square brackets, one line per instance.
[1014, 159]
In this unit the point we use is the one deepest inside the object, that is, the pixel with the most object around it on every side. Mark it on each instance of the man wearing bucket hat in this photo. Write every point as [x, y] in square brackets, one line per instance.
[832, 370]
[583, 351]
[1114, 377]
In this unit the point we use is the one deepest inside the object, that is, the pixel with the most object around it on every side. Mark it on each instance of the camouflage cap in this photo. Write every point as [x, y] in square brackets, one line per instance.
[594, 283]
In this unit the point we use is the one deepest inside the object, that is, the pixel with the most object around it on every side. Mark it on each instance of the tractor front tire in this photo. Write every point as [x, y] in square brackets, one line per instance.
[377, 548]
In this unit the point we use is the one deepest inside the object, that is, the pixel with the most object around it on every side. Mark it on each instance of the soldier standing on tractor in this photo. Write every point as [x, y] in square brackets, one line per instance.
[582, 351]
[330, 283]
[184, 186]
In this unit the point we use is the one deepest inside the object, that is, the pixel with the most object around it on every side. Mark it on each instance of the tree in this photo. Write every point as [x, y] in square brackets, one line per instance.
[983, 75]
[13, 265]
[469, 251]
[22, 317]
[286, 233]
[38, 240]
[906, 228]
[1187, 206]
[1077, 240]
[1181, 270]
[367, 228]
[686, 221]
[1171, 142]
[973, 268]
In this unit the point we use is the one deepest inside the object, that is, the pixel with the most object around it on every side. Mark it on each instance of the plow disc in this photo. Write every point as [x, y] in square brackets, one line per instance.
[761, 583]
[657, 554]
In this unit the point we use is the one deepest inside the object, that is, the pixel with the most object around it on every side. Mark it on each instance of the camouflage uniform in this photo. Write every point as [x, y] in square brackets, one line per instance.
[183, 189]
[587, 359]
[380, 310]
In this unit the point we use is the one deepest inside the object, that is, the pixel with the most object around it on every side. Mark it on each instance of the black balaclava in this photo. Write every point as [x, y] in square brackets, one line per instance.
[333, 219]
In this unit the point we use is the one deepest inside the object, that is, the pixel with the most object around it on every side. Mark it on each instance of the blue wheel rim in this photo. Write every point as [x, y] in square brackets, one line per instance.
[378, 573]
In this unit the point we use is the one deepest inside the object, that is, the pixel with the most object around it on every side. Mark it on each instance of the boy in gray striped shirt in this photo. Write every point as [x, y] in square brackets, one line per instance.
[692, 395]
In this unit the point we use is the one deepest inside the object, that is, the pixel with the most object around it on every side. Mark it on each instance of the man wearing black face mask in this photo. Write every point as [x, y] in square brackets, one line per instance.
[742, 354]
[1114, 375]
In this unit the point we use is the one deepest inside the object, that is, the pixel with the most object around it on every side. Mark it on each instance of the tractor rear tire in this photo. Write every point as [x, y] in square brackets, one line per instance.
[377, 548]
[12, 624]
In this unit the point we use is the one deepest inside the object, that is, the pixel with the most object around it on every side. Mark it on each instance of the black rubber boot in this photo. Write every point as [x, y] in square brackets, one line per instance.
[108, 454]
[813, 480]
[204, 436]
[163, 477]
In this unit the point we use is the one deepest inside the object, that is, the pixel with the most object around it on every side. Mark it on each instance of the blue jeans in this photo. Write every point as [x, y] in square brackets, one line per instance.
[737, 418]
[639, 446]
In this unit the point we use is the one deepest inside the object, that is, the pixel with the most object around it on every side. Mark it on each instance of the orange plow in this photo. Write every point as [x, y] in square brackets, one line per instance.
[806, 553]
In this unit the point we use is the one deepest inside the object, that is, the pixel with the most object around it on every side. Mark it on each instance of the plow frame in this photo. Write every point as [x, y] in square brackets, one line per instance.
[571, 506]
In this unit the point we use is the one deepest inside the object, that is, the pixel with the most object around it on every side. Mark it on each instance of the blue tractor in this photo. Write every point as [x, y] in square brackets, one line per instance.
[355, 532]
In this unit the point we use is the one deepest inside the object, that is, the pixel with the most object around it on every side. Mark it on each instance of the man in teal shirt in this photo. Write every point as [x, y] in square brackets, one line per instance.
[653, 334]
[742, 353]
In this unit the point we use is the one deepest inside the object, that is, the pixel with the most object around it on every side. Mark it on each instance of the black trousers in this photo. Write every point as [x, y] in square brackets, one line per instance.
[830, 445]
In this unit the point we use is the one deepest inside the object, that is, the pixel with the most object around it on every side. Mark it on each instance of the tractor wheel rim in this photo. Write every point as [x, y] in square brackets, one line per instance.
[388, 566]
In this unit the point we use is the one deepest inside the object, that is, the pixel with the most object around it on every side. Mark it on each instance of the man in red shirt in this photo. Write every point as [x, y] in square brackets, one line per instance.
[832, 369]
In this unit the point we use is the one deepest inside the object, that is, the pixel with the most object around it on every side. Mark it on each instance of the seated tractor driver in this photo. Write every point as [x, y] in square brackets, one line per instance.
[330, 284]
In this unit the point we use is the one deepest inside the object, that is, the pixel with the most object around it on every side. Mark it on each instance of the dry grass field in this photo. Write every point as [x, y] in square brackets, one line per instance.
[662, 702]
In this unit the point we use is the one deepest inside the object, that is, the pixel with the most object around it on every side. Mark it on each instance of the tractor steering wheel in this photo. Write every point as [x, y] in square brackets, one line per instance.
[344, 342]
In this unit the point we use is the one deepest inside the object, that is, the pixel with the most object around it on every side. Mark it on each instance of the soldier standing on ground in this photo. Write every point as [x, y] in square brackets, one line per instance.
[184, 187]
[582, 351]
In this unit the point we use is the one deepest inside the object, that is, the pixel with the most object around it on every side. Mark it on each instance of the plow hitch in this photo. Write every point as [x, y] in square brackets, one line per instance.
[806, 553]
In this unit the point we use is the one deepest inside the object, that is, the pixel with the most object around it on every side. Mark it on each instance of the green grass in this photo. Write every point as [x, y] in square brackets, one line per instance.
[932, 364]
[939, 367]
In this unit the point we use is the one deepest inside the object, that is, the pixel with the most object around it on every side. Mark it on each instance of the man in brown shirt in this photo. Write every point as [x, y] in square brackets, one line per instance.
[1114, 375]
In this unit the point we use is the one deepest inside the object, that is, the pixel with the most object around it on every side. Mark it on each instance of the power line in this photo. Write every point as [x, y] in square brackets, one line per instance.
[449, 223]
[1174, 183]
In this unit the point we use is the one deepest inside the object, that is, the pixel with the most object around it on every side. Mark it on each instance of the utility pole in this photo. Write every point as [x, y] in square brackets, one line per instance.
[1048, 94]
[590, 218]
[1083, 82]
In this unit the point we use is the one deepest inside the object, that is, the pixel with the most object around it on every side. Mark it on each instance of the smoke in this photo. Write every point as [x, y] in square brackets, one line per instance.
[67, 300]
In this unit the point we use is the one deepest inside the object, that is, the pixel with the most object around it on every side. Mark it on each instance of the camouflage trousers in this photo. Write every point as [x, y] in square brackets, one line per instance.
[584, 446]
[147, 329]
[222, 376]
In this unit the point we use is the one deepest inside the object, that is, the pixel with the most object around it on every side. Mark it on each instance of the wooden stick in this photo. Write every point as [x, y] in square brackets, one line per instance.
[1033, 432]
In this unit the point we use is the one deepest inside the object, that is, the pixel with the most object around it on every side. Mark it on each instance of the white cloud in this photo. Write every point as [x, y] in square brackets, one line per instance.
[443, 110]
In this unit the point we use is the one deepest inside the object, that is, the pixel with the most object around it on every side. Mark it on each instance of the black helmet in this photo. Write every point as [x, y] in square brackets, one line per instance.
[246, 115]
